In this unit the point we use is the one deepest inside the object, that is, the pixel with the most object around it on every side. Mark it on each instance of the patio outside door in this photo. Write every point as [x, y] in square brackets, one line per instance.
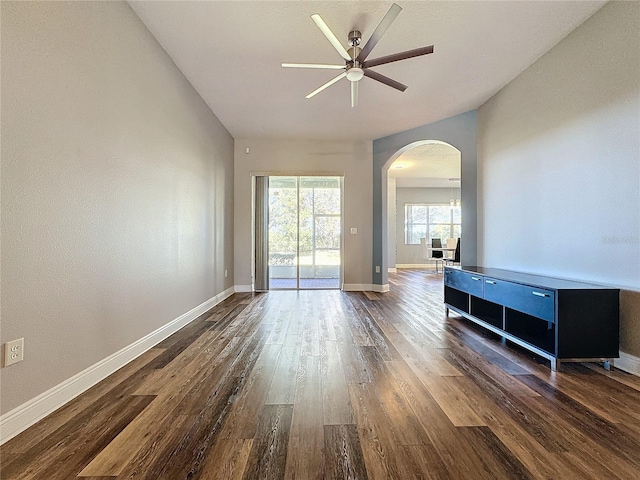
[305, 232]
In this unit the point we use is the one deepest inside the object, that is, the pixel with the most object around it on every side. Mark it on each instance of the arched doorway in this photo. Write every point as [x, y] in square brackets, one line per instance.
[423, 192]
[460, 132]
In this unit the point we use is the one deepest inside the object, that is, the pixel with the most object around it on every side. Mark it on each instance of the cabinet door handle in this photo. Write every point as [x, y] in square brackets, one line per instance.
[490, 282]
[477, 279]
[540, 294]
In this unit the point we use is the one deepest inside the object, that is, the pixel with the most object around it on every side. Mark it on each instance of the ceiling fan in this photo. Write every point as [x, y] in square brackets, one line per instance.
[356, 64]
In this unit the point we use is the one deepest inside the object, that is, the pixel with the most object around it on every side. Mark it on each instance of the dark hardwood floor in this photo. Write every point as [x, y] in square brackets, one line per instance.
[326, 384]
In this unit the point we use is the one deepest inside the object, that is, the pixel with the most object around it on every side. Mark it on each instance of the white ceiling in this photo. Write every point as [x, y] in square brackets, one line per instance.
[231, 53]
[430, 165]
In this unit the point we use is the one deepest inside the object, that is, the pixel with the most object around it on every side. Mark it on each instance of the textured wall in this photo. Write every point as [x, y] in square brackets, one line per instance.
[275, 157]
[117, 190]
[559, 163]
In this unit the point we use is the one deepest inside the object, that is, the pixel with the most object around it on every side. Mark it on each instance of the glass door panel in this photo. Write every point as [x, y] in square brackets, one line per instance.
[320, 209]
[283, 232]
[305, 244]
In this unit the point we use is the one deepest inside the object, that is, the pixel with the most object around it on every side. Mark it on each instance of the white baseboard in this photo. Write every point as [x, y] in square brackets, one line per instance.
[628, 363]
[414, 265]
[356, 287]
[347, 287]
[25, 415]
[392, 270]
[380, 288]
[365, 287]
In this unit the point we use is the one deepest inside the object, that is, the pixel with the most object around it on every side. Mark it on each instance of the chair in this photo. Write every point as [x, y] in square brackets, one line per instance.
[437, 256]
[456, 255]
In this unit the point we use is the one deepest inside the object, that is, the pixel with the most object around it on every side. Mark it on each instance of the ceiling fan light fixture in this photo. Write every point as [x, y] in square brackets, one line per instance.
[355, 74]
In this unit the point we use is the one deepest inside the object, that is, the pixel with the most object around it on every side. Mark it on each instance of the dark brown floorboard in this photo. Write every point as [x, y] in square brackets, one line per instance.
[334, 385]
[343, 454]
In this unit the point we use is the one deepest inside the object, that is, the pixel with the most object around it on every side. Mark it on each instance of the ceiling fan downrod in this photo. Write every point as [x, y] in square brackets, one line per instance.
[354, 68]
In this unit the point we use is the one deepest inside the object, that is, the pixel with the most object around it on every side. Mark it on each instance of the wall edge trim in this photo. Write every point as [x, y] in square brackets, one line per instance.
[629, 363]
[365, 287]
[23, 416]
[242, 288]
[413, 265]
[356, 287]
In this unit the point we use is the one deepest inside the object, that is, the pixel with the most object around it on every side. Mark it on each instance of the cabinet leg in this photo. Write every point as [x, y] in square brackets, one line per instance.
[446, 311]
[607, 364]
[555, 364]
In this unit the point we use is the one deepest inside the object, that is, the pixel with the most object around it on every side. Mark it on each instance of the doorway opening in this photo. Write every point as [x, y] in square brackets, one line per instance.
[305, 232]
[424, 208]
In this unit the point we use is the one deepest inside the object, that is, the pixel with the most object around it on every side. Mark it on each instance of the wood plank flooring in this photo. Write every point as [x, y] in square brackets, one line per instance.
[327, 384]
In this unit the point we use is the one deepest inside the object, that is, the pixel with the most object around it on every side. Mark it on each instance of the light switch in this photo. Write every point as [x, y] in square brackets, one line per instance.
[354, 230]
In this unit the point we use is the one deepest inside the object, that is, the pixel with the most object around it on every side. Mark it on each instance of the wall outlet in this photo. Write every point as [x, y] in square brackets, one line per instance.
[13, 352]
[354, 230]
[377, 268]
[225, 273]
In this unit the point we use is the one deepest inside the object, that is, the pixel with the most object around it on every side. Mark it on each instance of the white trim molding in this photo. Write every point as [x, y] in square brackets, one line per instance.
[628, 363]
[414, 265]
[365, 287]
[243, 288]
[392, 270]
[22, 417]
[356, 287]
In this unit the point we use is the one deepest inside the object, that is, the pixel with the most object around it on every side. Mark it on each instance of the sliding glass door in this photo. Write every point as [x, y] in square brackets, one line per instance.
[305, 232]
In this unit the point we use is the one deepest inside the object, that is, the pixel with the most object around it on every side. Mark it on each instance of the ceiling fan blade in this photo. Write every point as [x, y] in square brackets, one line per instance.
[398, 56]
[330, 36]
[313, 65]
[354, 94]
[386, 80]
[327, 85]
[377, 34]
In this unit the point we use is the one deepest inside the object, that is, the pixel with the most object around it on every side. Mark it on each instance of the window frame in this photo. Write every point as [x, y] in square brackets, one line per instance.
[427, 225]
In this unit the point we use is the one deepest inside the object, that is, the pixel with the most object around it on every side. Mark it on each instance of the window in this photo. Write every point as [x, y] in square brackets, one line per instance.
[430, 221]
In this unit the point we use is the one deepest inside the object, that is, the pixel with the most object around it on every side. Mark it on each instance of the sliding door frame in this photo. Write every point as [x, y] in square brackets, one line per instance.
[339, 175]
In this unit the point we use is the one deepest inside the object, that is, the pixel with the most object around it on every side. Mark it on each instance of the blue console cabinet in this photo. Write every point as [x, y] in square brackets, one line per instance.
[561, 320]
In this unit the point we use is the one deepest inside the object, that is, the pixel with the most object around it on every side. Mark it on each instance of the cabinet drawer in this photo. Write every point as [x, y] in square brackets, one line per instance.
[537, 302]
[463, 281]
